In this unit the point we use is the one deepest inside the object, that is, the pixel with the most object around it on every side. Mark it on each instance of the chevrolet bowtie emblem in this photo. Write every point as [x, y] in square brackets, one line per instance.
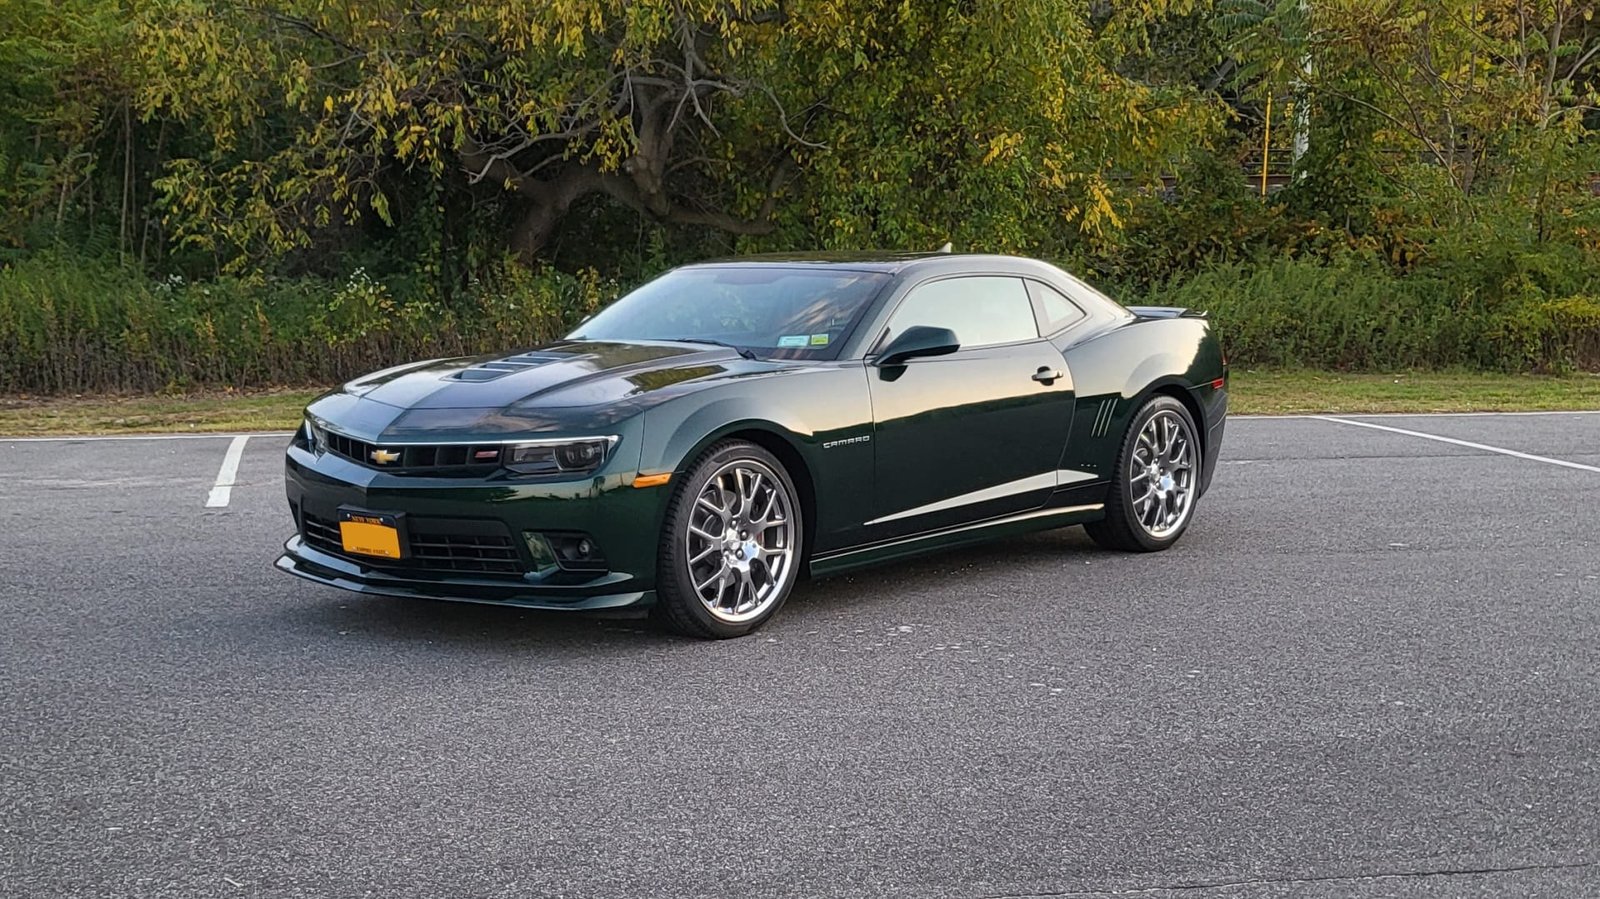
[383, 456]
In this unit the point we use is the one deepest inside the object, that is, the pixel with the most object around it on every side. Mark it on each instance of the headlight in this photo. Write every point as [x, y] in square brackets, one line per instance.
[308, 433]
[564, 457]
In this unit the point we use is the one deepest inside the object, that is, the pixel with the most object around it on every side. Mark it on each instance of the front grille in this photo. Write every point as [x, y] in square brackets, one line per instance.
[437, 460]
[456, 552]
[481, 547]
[322, 533]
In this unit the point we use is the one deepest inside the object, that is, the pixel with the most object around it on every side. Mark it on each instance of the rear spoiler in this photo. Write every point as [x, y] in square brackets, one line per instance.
[1166, 312]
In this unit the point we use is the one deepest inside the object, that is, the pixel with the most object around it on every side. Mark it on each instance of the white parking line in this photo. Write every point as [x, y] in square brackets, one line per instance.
[222, 491]
[142, 437]
[1467, 443]
[1314, 415]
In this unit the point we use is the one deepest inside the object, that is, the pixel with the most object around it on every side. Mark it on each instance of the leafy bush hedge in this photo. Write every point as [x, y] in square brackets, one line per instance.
[78, 325]
[70, 325]
[1354, 313]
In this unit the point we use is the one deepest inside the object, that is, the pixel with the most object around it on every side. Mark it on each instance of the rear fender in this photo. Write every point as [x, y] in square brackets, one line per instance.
[1114, 372]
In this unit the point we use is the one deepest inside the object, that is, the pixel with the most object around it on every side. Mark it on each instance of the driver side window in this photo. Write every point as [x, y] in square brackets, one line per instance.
[982, 311]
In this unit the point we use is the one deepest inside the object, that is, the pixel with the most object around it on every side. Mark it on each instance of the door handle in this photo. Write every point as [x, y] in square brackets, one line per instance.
[1047, 375]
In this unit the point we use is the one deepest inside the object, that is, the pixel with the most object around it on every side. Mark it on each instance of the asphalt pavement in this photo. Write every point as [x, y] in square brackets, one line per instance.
[1371, 668]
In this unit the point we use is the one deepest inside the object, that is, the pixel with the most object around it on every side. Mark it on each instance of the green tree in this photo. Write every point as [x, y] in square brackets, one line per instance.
[998, 121]
[71, 150]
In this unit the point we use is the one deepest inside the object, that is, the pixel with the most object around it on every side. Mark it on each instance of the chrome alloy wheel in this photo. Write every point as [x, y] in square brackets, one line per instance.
[741, 537]
[1161, 473]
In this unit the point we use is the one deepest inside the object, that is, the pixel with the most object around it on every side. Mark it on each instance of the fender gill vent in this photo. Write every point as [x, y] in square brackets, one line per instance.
[1102, 419]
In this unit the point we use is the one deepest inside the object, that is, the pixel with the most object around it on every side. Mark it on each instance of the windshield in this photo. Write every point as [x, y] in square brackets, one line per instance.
[775, 312]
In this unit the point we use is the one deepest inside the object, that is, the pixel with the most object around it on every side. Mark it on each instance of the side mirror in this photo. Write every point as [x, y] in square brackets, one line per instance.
[919, 341]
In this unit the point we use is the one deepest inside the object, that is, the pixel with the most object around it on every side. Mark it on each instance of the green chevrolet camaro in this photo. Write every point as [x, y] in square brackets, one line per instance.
[705, 441]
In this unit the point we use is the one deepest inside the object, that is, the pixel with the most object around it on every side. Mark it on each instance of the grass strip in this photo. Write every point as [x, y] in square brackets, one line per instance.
[1253, 393]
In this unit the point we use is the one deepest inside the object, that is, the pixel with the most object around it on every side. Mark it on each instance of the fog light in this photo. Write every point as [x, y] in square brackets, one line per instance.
[577, 552]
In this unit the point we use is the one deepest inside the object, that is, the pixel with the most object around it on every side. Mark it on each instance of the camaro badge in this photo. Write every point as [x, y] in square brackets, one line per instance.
[383, 456]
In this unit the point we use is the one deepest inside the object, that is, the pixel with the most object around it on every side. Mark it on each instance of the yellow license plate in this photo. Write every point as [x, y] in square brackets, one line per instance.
[370, 539]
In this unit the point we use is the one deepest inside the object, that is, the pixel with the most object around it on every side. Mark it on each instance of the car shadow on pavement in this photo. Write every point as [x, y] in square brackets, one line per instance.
[477, 624]
[325, 610]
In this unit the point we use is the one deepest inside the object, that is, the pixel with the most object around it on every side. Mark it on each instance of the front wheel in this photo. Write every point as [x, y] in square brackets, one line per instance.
[1151, 500]
[731, 549]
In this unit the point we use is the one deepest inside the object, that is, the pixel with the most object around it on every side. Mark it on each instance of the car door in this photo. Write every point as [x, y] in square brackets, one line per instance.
[975, 434]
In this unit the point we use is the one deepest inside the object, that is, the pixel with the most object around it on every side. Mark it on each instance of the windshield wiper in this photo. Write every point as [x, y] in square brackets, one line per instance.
[737, 349]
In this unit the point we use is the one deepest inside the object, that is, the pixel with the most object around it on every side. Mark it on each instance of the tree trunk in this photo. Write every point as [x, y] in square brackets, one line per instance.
[533, 232]
[547, 203]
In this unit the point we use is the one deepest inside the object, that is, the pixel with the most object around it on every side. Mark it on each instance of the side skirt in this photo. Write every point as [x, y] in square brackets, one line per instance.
[977, 532]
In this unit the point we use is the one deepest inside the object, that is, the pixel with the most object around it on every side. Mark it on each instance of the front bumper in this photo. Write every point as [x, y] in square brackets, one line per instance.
[335, 571]
[622, 520]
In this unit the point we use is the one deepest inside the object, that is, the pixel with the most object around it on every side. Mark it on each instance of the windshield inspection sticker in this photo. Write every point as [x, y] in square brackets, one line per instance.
[792, 340]
[819, 340]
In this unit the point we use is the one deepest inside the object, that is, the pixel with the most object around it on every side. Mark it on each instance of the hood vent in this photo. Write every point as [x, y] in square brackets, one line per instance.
[499, 368]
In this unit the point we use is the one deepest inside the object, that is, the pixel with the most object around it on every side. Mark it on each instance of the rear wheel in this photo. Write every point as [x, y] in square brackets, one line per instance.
[731, 548]
[1157, 481]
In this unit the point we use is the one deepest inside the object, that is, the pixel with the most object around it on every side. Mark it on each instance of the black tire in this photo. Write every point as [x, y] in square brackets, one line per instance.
[679, 604]
[1124, 528]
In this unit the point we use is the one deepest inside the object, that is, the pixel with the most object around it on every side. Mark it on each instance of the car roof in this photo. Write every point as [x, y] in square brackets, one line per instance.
[880, 261]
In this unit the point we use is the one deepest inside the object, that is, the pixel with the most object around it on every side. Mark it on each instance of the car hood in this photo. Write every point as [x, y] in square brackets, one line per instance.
[560, 388]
